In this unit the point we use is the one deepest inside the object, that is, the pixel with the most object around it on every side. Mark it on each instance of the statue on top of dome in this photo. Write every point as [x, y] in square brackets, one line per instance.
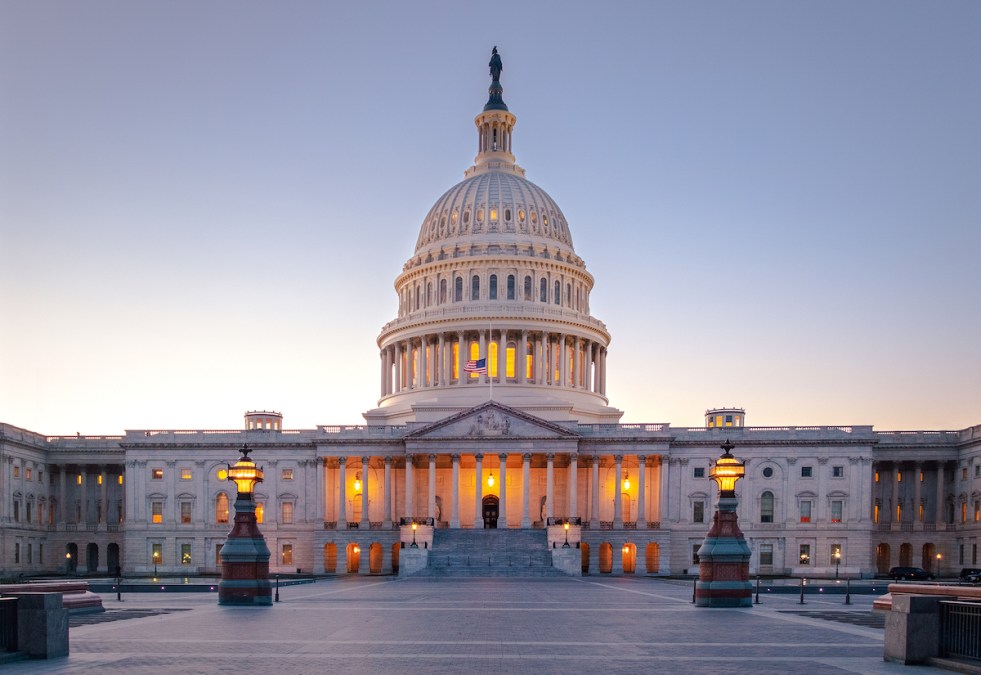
[496, 66]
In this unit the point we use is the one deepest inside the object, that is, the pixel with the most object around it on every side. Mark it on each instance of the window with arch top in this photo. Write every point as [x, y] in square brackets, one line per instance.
[458, 289]
[475, 287]
[510, 287]
[766, 507]
[492, 287]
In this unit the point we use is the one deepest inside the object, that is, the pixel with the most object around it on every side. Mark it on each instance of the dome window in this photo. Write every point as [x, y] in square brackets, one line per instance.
[507, 215]
[466, 217]
[534, 217]
[493, 215]
[455, 217]
[545, 219]
[480, 215]
[521, 215]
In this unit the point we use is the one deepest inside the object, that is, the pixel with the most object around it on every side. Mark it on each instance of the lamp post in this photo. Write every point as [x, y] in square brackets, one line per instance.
[245, 556]
[566, 544]
[939, 558]
[837, 561]
[68, 562]
[414, 544]
[723, 570]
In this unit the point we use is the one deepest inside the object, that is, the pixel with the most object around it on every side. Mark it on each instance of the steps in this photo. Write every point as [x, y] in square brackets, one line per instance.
[490, 553]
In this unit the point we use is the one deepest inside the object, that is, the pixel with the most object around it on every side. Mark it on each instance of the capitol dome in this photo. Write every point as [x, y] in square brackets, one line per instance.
[494, 301]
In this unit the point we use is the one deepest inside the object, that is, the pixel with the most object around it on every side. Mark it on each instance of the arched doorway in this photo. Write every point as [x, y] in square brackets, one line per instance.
[396, 547]
[92, 558]
[606, 558]
[584, 548]
[375, 558]
[906, 555]
[330, 558]
[492, 506]
[112, 559]
[929, 556]
[71, 558]
[882, 558]
[653, 558]
[629, 553]
[353, 558]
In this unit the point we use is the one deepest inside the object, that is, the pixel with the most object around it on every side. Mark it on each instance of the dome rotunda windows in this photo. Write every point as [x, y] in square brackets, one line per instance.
[507, 214]
[493, 215]
[480, 215]
[466, 217]
[521, 215]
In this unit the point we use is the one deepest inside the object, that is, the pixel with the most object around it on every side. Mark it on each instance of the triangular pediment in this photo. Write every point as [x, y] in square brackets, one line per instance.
[492, 420]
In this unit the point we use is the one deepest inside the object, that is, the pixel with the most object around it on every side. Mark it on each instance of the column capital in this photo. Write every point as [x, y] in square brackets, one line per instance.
[526, 457]
[573, 457]
[478, 456]
[432, 459]
[503, 456]
[388, 460]
[342, 460]
[642, 459]
[365, 459]
[550, 457]
[455, 458]
[618, 458]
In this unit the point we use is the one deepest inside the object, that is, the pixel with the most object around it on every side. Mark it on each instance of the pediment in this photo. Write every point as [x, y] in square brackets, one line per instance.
[492, 420]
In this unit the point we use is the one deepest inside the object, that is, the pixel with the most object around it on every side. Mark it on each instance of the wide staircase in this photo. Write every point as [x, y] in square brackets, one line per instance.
[490, 553]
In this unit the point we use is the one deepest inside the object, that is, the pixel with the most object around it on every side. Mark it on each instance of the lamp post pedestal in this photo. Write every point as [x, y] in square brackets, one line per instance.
[245, 556]
[723, 569]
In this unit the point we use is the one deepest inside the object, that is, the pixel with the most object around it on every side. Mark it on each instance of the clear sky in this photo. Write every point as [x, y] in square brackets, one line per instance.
[204, 205]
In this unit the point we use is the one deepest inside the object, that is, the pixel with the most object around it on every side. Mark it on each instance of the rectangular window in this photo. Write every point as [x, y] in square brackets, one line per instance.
[805, 554]
[78, 479]
[185, 512]
[806, 472]
[963, 512]
[835, 554]
[98, 479]
[260, 512]
[156, 511]
[16, 511]
[27, 473]
[157, 474]
[974, 554]
[977, 470]
[218, 554]
[287, 554]
[694, 553]
[16, 552]
[16, 471]
[977, 511]
[963, 473]
[837, 472]
[40, 476]
[698, 512]
[30, 553]
[185, 554]
[287, 511]
[728, 420]
[766, 555]
[960, 559]
[185, 474]
[837, 506]
[40, 554]
[805, 511]
[899, 476]
[156, 553]
[699, 472]
[876, 476]
[119, 479]
[287, 474]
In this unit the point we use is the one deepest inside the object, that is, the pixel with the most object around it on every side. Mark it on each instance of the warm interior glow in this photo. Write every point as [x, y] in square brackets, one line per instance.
[509, 361]
[490, 480]
[222, 474]
[626, 481]
[492, 359]
[456, 360]
[474, 355]
[120, 479]
[357, 485]
[260, 512]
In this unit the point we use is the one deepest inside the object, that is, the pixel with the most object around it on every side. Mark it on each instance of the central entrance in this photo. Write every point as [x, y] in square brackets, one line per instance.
[492, 506]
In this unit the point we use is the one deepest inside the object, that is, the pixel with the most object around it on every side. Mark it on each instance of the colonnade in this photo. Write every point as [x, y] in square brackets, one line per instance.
[895, 502]
[438, 359]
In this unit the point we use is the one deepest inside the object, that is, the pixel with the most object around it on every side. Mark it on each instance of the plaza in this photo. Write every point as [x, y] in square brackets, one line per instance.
[560, 625]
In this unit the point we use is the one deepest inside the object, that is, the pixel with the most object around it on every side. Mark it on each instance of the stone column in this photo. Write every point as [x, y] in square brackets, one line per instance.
[387, 522]
[365, 520]
[576, 364]
[888, 478]
[594, 517]
[502, 350]
[423, 363]
[617, 500]
[573, 486]
[397, 347]
[563, 361]
[917, 495]
[525, 490]
[588, 349]
[482, 353]
[455, 510]
[62, 496]
[521, 368]
[939, 511]
[641, 494]
[461, 357]
[441, 360]
[478, 515]
[383, 356]
[342, 493]
[549, 486]
[431, 508]
[103, 517]
[502, 514]
[410, 495]
[321, 465]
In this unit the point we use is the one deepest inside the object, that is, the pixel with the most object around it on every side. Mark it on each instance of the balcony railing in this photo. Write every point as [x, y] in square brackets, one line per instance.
[960, 630]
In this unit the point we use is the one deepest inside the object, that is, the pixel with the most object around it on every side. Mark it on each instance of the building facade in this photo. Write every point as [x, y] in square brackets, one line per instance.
[492, 412]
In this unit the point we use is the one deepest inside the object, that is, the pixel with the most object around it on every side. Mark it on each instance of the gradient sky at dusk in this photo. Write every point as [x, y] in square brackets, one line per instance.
[204, 205]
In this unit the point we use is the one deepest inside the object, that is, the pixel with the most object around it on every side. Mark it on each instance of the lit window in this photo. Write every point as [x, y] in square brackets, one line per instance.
[963, 512]
[875, 513]
[805, 511]
[456, 360]
[977, 511]
[474, 354]
[222, 474]
[185, 512]
[156, 553]
[899, 476]
[805, 554]
[16, 471]
[156, 511]
[837, 506]
[221, 508]
[698, 512]
[287, 513]
[492, 359]
[493, 215]
[157, 474]
[835, 554]
[728, 420]
[876, 476]
[185, 474]
[185, 554]
[806, 472]
[718, 420]
[509, 357]
[837, 472]
[78, 479]
[27, 473]
[287, 555]
[260, 512]
[287, 474]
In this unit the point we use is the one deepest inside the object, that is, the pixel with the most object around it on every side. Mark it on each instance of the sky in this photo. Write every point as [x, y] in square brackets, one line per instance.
[204, 205]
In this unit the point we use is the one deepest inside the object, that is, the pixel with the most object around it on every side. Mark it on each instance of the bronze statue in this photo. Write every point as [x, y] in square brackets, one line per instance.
[496, 66]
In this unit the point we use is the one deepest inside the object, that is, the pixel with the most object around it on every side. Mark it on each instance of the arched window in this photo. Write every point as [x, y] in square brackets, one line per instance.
[458, 289]
[557, 298]
[475, 287]
[492, 289]
[474, 355]
[429, 294]
[766, 507]
[568, 295]
[510, 287]
[221, 508]
[418, 296]
[442, 291]
[509, 357]
[543, 291]
[528, 289]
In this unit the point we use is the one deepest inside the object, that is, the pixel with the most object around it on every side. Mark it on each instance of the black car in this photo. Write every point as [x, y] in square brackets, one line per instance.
[973, 578]
[969, 571]
[913, 573]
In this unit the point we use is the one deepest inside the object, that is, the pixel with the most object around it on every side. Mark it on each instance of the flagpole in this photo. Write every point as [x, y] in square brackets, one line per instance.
[490, 324]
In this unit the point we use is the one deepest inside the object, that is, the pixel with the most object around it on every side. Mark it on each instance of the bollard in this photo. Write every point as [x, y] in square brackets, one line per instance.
[757, 589]
[802, 582]
[694, 587]
[119, 590]
[277, 588]
[848, 591]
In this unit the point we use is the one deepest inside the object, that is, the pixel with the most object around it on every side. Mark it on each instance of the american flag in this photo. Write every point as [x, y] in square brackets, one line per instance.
[476, 366]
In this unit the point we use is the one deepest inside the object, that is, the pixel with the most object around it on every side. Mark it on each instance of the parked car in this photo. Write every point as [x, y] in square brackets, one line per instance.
[968, 571]
[910, 573]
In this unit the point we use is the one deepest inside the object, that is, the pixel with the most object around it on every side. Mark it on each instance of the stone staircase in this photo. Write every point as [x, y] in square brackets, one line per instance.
[490, 553]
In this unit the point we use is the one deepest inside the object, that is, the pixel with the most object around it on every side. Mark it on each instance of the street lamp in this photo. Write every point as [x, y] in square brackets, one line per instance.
[837, 561]
[68, 562]
[245, 556]
[566, 544]
[414, 544]
[939, 558]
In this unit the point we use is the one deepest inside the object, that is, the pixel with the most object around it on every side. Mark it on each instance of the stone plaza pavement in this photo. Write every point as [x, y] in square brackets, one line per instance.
[382, 625]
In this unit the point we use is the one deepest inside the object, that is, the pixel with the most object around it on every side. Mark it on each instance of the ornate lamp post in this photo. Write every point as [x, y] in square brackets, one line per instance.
[245, 556]
[723, 571]
[837, 561]
[566, 544]
[414, 544]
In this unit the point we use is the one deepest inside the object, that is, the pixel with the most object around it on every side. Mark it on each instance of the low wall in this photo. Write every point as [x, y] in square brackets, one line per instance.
[913, 631]
[76, 596]
[42, 624]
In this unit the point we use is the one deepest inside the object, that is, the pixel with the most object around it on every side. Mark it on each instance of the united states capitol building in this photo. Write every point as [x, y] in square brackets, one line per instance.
[493, 414]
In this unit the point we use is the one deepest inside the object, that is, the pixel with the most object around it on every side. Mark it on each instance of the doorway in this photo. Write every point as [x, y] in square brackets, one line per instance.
[492, 506]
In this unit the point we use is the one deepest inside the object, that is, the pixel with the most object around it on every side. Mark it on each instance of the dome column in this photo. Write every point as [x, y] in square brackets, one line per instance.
[482, 353]
[397, 375]
[441, 361]
[522, 367]
[460, 356]
[502, 353]
[423, 362]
